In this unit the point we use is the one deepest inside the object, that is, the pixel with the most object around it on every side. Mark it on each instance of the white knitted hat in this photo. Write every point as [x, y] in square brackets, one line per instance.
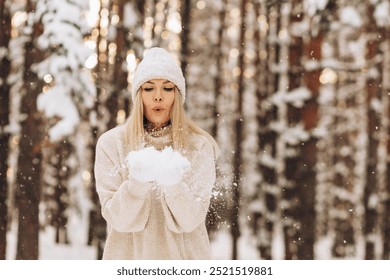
[158, 64]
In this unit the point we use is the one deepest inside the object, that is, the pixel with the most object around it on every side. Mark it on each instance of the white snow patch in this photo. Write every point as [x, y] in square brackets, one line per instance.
[165, 167]
[381, 14]
[350, 16]
[312, 6]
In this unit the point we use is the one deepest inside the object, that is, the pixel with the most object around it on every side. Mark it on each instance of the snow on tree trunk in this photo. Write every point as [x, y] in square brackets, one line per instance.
[264, 205]
[255, 130]
[289, 135]
[375, 187]
[350, 137]
[5, 36]
[302, 116]
[325, 155]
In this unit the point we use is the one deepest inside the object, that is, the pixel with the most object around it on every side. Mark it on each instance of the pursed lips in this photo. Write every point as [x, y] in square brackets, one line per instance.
[157, 109]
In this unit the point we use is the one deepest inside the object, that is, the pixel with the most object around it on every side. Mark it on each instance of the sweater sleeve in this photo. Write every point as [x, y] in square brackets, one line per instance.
[185, 204]
[125, 201]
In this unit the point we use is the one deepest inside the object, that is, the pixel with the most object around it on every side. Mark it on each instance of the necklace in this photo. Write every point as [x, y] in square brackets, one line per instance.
[157, 131]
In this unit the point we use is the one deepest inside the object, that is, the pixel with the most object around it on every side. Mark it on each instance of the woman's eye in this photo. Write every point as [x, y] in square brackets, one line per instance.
[147, 89]
[168, 88]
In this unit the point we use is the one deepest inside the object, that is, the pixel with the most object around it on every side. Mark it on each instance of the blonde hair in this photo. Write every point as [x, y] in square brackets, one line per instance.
[181, 126]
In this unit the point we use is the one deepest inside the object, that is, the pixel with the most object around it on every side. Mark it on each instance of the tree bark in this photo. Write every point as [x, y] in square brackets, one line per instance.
[119, 77]
[306, 164]
[267, 137]
[386, 117]
[28, 176]
[237, 162]
[185, 11]
[5, 35]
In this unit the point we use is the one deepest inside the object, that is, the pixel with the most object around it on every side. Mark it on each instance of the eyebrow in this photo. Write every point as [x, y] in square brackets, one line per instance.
[166, 82]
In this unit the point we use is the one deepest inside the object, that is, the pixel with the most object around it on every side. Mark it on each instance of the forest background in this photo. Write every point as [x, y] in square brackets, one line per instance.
[296, 93]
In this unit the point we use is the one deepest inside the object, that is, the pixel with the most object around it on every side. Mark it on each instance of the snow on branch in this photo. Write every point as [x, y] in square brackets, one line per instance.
[291, 135]
[311, 7]
[296, 97]
[381, 14]
[58, 103]
[350, 16]
[71, 87]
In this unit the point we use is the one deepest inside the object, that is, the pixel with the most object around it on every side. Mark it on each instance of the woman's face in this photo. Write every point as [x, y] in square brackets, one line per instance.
[158, 97]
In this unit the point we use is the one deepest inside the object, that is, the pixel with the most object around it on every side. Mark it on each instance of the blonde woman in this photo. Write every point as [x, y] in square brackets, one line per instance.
[155, 174]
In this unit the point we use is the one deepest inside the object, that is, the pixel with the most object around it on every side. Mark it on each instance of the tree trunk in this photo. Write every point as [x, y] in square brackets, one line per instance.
[185, 10]
[267, 137]
[56, 178]
[28, 176]
[217, 207]
[371, 188]
[97, 225]
[119, 77]
[386, 117]
[376, 160]
[237, 162]
[305, 177]
[5, 35]
[350, 155]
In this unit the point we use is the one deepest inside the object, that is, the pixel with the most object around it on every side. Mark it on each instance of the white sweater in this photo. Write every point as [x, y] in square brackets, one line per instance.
[146, 221]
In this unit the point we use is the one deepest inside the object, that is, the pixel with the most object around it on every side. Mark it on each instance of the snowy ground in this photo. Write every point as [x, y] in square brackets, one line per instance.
[221, 247]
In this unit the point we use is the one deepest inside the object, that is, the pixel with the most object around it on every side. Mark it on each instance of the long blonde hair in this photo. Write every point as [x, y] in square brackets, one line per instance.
[181, 126]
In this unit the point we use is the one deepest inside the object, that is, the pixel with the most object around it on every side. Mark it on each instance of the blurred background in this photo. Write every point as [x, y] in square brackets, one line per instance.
[296, 93]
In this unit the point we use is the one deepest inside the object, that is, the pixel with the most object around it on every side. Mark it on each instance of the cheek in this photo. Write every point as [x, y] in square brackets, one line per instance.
[171, 100]
[146, 102]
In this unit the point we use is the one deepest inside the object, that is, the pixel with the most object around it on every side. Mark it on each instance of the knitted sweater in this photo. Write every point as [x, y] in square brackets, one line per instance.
[148, 221]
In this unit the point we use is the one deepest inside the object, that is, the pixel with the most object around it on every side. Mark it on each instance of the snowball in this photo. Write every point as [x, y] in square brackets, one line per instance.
[143, 164]
[174, 166]
[166, 167]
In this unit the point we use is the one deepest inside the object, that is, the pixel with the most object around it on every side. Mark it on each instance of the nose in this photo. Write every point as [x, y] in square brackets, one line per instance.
[158, 97]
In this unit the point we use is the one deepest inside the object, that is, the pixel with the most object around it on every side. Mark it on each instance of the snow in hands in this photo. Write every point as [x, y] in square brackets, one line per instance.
[166, 167]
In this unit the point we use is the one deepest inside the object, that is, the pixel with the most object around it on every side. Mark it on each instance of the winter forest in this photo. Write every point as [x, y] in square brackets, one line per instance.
[296, 93]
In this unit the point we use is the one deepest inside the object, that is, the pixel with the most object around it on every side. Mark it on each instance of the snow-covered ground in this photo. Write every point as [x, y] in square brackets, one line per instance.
[49, 250]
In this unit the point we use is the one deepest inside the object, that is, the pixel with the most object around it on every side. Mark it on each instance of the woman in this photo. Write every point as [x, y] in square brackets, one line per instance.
[155, 207]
